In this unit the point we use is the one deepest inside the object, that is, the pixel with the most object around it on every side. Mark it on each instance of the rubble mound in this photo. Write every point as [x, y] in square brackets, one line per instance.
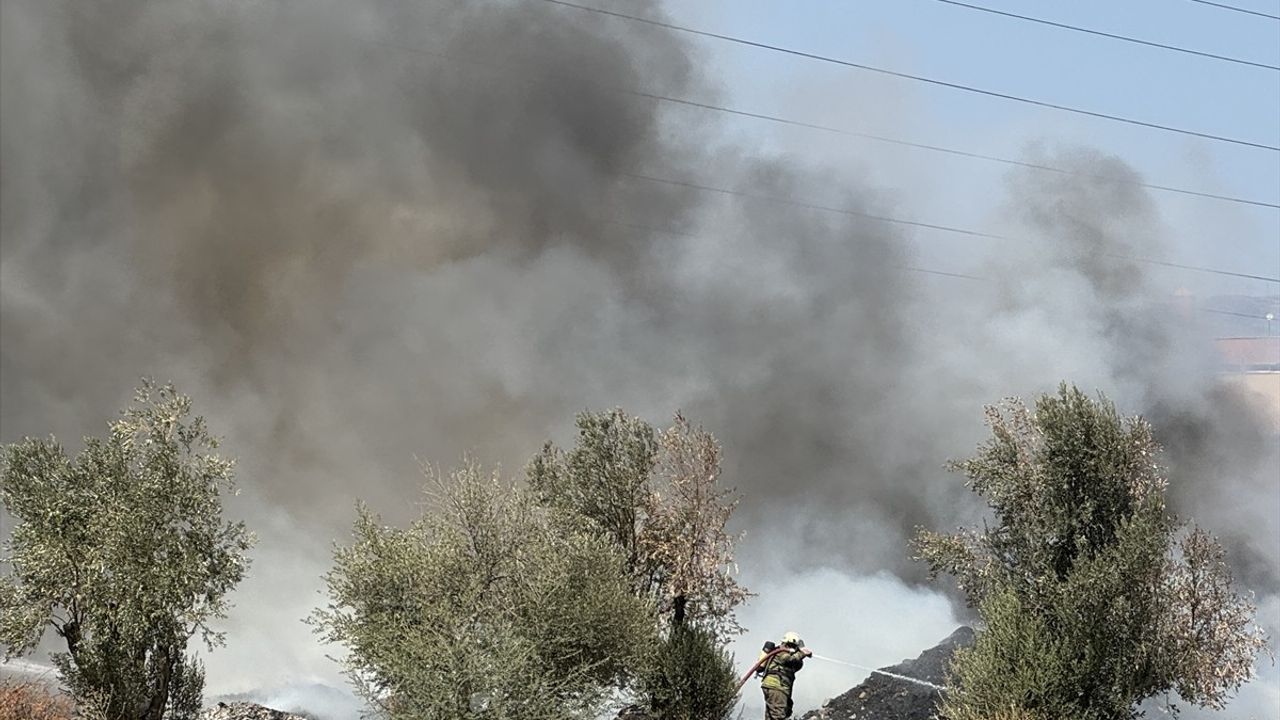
[882, 697]
[246, 711]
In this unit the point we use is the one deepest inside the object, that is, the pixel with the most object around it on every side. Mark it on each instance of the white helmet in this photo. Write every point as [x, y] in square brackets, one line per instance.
[791, 638]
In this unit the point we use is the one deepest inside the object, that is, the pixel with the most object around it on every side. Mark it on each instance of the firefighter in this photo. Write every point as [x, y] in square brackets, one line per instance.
[779, 675]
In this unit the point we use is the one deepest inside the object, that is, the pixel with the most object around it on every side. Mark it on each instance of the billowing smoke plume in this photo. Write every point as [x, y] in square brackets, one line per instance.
[360, 232]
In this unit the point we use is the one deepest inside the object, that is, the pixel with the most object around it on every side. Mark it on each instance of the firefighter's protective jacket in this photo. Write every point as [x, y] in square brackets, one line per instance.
[780, 670]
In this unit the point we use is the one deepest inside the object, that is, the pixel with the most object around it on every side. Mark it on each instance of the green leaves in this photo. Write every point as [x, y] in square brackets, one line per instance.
[690, 677]
[656, 496]
[604, 480]
[1089, 602]
[123, 551]
[487, 606]
[547, 602]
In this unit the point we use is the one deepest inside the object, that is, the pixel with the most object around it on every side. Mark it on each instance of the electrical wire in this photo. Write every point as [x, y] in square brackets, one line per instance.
[917, 78]
[1216, 311]
[1113, 36]
[954, 151]
[984, 279]
[813, 206]
[1233, 8]
[863, 135]
[931, 226]
[893, 220]
[692, 236]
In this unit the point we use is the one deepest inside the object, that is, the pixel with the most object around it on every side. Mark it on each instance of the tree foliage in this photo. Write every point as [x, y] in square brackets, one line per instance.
[685, 532]
[608, 576]
[657, 496]
[1093, 596]
[689, 677]
[489, 606]
[123, 551]
[603, 484]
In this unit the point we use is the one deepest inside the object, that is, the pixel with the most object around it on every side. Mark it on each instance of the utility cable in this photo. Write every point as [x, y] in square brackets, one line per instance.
[882, 218]
[1216, 311]
[1113, 36]
[1237, 9]
[867, 136]
[952, 151]
[943, 273]
[812, 206]
[692, 236]
[1196, 268]
[965, 276]
[930, 226]
[957, 275]
[918, 78]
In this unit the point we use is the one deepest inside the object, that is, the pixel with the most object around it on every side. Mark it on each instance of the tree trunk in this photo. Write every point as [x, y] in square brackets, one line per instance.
[164, 658]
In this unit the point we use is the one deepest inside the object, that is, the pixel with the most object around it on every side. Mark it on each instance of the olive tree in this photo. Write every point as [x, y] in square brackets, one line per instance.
[603, 484]
[486, 606]
[1093, 596]
[657, 496]
[123, 551]
[689, 677]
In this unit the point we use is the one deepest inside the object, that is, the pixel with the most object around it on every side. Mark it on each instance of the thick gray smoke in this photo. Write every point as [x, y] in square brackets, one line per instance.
[255, 197]
[360, 232]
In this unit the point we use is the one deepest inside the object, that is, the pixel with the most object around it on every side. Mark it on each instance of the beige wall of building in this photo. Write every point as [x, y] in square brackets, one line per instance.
[1264, 389]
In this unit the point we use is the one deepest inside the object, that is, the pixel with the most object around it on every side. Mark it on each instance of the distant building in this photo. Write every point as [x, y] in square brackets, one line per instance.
[1250, 354]
[1254, 364]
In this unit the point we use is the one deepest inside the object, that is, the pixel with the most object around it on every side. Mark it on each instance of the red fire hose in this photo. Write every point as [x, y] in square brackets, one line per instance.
[763, 659]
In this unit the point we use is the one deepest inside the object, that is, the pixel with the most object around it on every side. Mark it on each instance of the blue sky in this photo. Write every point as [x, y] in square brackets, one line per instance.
[954, 44]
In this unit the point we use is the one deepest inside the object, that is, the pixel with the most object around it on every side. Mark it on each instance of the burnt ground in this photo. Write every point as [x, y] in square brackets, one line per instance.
[246, 711]
[885, 698]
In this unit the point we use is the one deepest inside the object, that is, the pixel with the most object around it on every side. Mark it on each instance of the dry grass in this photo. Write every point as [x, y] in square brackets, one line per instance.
[1013, 714]
[33, 701]
[1010, 714]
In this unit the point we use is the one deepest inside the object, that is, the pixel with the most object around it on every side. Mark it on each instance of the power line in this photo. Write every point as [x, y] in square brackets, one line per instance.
[1100, 33]
[957, 275]
[812, 206]
[693, 236]
[931, 226]
[944, 273]
[881, 218]
[1198, 268]
[1215, 311]
[867, 136]
[949, 151]
[1237, 9]
[918, 78]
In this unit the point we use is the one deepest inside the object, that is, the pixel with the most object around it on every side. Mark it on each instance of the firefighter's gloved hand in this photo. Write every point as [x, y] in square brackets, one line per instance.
[769, 646]
[806, 652]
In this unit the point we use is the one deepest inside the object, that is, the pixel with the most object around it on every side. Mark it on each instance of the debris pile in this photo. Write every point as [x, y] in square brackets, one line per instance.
[882, 697]
[246, 711]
